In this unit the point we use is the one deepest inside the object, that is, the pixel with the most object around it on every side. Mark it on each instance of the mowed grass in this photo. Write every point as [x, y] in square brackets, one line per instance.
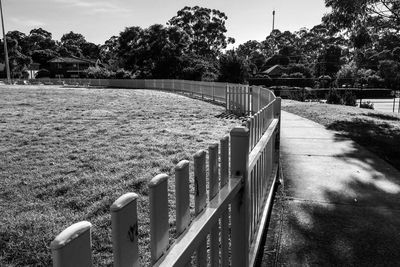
[67, 154]
[377, 131]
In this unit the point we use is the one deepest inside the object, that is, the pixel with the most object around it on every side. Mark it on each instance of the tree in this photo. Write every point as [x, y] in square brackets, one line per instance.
[22, 40]
[347, 15]
[328, 62]
[232, 68]
[129, 48]
[390, 72]
[251, 52]
[90, 50]
[72, 44]
[18, 62]
[40, 39]
[109, 53]
[198, 68]
[205, 29]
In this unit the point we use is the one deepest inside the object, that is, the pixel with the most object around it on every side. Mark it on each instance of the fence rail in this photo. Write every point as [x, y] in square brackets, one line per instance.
[243, 100]
[242, 173]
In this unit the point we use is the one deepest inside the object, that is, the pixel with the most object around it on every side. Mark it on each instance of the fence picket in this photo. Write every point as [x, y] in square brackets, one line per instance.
[124, 225]
[200, 200]
[159, 226]
[72, 247]
[224, 144]
[182, 196]
[213, 190]
[240, 206]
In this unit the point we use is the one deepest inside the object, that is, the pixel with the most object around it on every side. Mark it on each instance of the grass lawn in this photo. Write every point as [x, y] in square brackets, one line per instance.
[377, 131]
[67, 154]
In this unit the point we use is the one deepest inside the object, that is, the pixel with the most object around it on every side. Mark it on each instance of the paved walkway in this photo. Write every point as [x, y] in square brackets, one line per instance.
[340, 204]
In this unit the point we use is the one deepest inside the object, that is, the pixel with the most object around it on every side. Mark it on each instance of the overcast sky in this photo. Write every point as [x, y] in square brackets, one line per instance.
[98, 20]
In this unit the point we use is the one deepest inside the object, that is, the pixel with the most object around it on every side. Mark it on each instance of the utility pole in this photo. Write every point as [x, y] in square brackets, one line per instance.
[5, 46]
[273, 28]
[273, 20]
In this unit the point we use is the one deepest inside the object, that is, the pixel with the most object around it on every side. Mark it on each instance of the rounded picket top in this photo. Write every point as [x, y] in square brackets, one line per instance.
[181, 165]
[199, 154]
[122, 201]
[158, 179]
[70, 234]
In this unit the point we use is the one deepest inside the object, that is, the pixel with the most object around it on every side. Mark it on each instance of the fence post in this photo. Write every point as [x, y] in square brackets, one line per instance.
[200, 199]
[159, 225]
[72, 247]
[240, 206]
[125, 230]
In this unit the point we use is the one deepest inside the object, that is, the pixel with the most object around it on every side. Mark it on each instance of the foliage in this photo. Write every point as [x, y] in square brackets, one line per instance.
[349, 14]
[72, 42]
[99, 73]
[367, 105]
[328, 61]
[199, 69]
[349, 98]
[324, 81]
[346, 75]
[42, 73]
[390, 72]
[333, 97]
[205, 29]
[123, 74]
[232, 68]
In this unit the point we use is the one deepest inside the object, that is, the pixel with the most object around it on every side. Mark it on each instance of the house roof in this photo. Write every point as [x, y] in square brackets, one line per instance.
[71, 60]
[274, 70]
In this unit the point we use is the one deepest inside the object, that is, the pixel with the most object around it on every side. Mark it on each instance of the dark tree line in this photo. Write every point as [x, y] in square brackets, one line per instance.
[356, 44]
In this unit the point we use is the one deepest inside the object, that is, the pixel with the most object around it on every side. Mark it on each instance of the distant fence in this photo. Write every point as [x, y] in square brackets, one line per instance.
[320, 93]
[242, 175]
[239, 99]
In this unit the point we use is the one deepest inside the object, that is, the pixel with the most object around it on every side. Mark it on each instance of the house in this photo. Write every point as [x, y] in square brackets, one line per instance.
[32, 69]
[70, 67]
[274, 71]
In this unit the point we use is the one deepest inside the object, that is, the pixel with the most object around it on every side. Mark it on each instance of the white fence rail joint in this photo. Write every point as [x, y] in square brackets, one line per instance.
[241, 177]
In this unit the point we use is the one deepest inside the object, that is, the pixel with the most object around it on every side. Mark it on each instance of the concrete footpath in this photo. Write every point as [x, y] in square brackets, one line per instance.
[339, 204]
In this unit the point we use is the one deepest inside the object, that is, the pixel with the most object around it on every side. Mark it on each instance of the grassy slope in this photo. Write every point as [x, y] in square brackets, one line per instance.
[377, 131]
[67, 154]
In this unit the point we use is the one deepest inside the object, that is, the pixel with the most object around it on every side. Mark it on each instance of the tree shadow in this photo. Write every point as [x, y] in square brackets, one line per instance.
[380, 137]
[349, 233]
[356, 223]
[383, 116]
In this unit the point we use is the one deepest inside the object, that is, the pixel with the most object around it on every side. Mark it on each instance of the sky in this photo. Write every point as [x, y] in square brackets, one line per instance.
[98, 20]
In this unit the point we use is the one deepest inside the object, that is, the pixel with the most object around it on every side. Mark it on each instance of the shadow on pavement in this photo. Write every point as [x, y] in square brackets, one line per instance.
[356, 227]
[380, 138]
[356, 222]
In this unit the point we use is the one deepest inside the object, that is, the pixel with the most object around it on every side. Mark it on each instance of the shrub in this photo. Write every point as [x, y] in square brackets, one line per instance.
[123, 74]
[99, 73]
[42, 73]
[349, 99]
[333, 97]
[367, 105]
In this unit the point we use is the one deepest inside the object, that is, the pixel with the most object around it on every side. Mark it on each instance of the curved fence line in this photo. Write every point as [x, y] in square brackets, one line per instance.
[238, 98]
[242, 174]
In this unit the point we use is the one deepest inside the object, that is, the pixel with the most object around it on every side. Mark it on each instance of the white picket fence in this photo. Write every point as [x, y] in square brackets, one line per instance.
[239, 99]
[242, 174]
